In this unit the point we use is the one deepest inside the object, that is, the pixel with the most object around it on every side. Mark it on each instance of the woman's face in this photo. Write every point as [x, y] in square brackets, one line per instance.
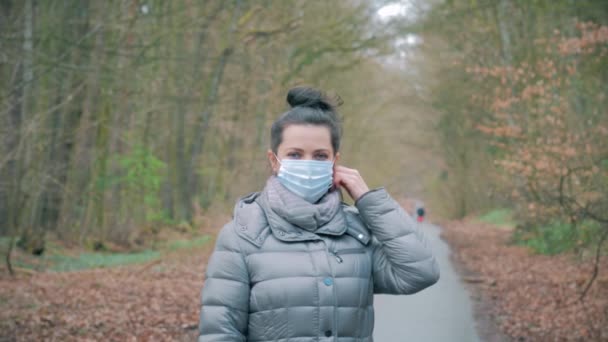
[306, 142]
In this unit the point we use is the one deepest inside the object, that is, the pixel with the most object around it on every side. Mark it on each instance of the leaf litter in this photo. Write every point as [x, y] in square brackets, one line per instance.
[157, 301]
[530, 297]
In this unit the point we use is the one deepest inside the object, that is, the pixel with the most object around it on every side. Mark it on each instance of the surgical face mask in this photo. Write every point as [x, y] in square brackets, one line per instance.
[309, 179]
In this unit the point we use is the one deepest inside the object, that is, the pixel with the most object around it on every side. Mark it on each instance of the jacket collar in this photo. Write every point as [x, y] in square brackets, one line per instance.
[254, 224]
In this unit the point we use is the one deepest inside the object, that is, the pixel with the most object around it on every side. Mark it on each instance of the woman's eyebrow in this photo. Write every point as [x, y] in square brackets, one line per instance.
[302, 150]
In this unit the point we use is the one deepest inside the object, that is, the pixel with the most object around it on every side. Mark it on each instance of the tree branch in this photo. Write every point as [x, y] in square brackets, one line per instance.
[596, 264]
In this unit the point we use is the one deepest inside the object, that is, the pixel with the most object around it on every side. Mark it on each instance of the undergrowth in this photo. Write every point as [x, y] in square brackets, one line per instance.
[56, 258]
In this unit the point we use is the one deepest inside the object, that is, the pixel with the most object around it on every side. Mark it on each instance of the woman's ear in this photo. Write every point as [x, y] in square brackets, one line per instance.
[337, 158]
[274, 163]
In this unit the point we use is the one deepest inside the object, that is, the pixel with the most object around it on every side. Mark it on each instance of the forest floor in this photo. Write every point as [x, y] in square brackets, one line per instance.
[157, 300]
[529, 297]
[526, 296]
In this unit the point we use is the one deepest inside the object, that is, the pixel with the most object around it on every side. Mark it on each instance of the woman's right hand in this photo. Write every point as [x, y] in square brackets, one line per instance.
[351, 180]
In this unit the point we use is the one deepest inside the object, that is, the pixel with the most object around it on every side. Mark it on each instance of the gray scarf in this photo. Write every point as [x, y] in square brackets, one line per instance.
[298, 212]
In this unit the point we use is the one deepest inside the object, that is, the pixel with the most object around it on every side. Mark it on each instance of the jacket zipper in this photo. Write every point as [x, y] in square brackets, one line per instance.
[338, 258]
[345, 251]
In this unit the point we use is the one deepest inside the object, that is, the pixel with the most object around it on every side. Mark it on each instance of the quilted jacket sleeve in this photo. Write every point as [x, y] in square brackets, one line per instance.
[402, 261]
[225, 296]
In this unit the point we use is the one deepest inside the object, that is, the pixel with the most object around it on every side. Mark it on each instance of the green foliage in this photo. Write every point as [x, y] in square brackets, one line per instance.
[4, 242]
[143, 174]
[557, 237]
[188, 244]
[499, 217]
[62, 263]
[143, 168]
[58, 259]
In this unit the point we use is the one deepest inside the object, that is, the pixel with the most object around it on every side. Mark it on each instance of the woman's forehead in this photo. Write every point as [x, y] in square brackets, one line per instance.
[308, 137]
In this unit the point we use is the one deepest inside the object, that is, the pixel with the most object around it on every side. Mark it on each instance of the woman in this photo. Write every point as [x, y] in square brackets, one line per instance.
[297, 264]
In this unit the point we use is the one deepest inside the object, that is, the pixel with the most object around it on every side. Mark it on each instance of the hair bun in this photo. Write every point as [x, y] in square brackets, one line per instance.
[312, 98]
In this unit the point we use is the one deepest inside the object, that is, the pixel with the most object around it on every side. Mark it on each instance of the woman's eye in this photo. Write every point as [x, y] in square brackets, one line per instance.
[293, 155]
[321, 157]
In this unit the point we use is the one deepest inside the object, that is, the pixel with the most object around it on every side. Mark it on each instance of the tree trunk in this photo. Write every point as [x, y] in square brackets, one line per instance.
[204, 119]
[502, 8]
[199, 58]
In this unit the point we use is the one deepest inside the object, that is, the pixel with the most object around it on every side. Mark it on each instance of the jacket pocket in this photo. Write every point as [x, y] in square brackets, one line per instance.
[350, 250]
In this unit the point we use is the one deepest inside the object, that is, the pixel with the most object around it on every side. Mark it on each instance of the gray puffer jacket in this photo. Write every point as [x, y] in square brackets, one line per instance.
[269, 279]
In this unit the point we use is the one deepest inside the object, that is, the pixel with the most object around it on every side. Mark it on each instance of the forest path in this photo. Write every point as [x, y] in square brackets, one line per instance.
[442, 312]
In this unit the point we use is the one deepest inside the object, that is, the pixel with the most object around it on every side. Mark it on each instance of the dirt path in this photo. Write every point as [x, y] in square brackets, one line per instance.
[442, 312]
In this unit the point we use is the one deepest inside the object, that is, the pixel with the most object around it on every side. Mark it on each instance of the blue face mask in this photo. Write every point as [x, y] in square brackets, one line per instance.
[309, 179]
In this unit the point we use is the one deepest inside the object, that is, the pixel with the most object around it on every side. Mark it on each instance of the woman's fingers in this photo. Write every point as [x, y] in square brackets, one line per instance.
[341, 176]
[351, 180]
[346, 170]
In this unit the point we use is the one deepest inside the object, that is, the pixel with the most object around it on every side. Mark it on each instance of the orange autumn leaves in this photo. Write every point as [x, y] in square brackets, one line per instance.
[592, 36]
[549, 126]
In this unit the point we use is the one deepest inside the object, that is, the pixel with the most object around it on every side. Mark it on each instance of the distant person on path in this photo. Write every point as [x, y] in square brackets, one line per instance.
[296, 263]
[420, 212]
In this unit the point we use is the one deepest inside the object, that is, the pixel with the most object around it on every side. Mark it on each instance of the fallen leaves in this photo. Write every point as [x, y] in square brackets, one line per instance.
[158, 301]
[532, 297]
